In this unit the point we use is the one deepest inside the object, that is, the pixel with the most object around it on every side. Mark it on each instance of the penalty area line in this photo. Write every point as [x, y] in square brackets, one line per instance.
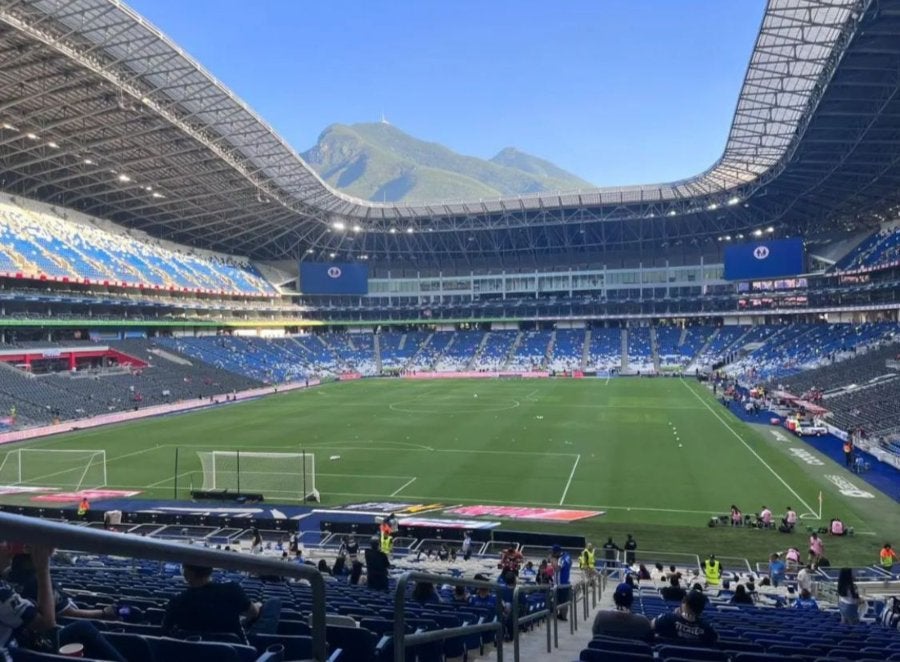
[790, 489]
[571, 476]
[403, 487]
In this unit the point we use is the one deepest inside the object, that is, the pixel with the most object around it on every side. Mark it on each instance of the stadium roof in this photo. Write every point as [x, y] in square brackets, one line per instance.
[103, 113]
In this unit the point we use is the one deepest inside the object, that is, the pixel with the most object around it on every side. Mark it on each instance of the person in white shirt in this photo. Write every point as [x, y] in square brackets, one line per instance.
[765, 517]
[805, 580]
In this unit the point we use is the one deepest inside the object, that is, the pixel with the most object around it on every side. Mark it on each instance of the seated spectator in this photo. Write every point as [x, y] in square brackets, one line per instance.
[643, 573]
[621, 622]
[323, 567]
[30, 573]
[208, 606]
[460, 595]
[658, 574]
[673, 592]
[686, 623]
[528, 572]
[483, 597]
[806, 601]
[765, 518]
[741, 597]
[424, 593]
[737, 517]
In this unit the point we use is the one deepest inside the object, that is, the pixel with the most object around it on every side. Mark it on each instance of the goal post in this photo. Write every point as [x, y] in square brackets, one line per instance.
[289, 476]
[44, 467]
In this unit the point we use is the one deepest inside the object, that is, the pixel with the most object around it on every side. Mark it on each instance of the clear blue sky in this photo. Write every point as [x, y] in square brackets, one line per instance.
[616, 91]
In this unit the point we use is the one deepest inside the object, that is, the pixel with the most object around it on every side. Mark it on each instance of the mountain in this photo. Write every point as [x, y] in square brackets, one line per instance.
[379, 162]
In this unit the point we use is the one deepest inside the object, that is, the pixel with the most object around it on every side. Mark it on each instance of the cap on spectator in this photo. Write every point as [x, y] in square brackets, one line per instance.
[556, 550]
[624, 595]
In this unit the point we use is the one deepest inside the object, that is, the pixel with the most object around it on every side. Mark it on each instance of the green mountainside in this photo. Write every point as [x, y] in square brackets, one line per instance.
[379, 162]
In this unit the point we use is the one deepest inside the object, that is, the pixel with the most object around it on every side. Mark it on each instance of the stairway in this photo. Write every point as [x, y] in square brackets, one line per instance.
[624, 351]
[478, 351]
[512, 350]
[683, 336]
[377, 351]
[551, 345]
[413, 360]
[586, 349]
[654, 348]
[702, 349]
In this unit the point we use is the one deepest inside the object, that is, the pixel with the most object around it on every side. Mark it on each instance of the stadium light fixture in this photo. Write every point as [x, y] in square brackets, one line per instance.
[410, 230]
[53, 145]
[332, 255]
[309, 251]
[672, 213]
[124, 178]
[393, 230]
[733, 201]
[357, 228]
[712, 207]
[9, 127]
[32, 136]
[757, 233]
[338, 225]
[727, 237]
[158, 195]
[88, 162]
[770, 229]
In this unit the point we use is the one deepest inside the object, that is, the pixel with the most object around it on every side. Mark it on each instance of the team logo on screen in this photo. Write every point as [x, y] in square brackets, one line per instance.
[761, 252]
[334, 272]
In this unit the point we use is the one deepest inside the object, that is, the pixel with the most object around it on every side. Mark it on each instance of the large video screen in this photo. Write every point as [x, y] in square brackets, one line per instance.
[334, 278]
[764, 259]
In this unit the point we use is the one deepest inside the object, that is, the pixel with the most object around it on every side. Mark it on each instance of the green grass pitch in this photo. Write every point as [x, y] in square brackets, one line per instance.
[658, 456]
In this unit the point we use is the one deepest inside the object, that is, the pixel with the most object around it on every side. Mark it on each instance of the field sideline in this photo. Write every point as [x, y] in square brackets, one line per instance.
[658, 456]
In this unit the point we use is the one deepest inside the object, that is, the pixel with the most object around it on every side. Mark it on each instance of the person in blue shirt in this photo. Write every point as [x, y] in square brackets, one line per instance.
[483, 597]
[806, 601]
[776, 570]
[562, 567]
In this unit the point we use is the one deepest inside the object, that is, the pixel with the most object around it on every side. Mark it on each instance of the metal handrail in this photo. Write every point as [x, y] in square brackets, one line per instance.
[402, 640]
[35, 531]
[547, 611]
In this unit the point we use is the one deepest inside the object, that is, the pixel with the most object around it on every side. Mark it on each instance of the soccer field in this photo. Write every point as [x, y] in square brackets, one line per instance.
[657, 456]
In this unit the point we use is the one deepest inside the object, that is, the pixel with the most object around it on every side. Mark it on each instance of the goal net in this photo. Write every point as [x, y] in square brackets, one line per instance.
[289, 476]
[69, 469]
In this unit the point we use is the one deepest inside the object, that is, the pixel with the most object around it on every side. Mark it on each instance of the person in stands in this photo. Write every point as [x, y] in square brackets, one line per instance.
[792, 558]
[712, 568]
[686, 623]
[741, 597]
[208, 606]
[377, 564]
[425, 593]
[673, 592]
[630, 550]
[620, 622]
[848, 597]
[776, 570]
[887, 557]
[610, 549]
[561, 563]
[588, 564]
[806, 601]
[805, 580]
[483, 597]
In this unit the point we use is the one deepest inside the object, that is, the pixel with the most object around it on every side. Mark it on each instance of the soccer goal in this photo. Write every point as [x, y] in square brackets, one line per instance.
[290, 476]
[40, 467]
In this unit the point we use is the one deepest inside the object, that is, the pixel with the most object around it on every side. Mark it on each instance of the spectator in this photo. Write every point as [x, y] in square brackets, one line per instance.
[789, 521]
[424, 593]
[467, 546]
[323, 567]
[776, 570]
[658, 574]
[805, 579]
[712, 568]
[84, 508]
[483, 597]
[792, 558]
[643, 574]
[561, 563]
[686, 622]
[737, 517]
[355, 573]
[806, 601]
[256, 544]
[741, 597]
[630, 549]
[528, 571]
[621, 622]
[460, 596]
[377, 564]
[208, 606]
[673, 592]
[848, 597]
[765, 518]
[511, 559]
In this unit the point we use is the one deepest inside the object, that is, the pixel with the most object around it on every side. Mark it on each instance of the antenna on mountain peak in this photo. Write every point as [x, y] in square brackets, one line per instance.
[383, 118]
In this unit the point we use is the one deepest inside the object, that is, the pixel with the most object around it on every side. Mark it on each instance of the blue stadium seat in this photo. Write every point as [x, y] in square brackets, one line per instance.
[668, 652]
[594, 655]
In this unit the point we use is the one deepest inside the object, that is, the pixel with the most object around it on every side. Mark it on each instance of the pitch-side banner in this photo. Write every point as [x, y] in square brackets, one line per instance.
[758, 260]
[334, 278]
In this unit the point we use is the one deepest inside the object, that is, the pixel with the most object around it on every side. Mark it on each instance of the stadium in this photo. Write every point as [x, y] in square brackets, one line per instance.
[207, 349]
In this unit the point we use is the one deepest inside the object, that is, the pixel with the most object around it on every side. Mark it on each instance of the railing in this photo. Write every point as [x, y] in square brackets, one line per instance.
[546, 612]
[34, 531]
[402, 640]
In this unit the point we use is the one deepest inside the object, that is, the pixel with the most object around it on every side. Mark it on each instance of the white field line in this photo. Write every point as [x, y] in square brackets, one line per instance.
[403, 487]
[569, 482]
[790, 489]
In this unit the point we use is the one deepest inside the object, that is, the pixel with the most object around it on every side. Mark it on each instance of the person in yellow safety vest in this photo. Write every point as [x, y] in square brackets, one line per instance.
[83, 508]
[887, 557]
[587, 563]
[387, 543]
[712, 568]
